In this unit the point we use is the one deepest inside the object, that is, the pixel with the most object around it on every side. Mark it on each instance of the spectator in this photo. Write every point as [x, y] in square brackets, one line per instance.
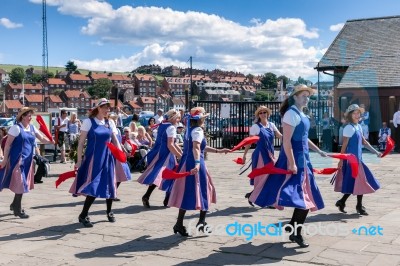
[179, 134]
[159, 117]
[396, 124]
[61, 129]
[74, 126]
[326, 132]
[151, 128]
[120, 116]
[3, 139]
[133, 125]
[313, 129]
[144, 138]
[364, 122]
[384, 133]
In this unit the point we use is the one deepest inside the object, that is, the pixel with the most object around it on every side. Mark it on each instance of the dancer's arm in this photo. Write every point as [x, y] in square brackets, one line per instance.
[7, 147]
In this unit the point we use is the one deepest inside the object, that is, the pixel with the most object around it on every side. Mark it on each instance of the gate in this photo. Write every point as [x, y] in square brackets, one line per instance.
[230, 122]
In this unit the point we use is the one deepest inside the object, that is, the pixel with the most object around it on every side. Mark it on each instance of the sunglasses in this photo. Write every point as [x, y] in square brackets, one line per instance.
[261, 113]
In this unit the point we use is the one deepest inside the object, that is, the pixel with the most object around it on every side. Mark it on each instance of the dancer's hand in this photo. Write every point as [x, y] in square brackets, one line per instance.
[340, 164]
[195, 170]
[77, 165]
[244, 159]
[292, 168]
[379, 154]
[322, 153]
[3, 164]
[224, 150]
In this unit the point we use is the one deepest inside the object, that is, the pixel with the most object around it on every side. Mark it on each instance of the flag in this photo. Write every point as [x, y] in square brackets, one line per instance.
[238, 160]
[117, 153]
[245, 142]
[352, 161]
[65, 176]
[171, 174]
[325, 171]
[43, 127]
[268, 169]
[389, 146]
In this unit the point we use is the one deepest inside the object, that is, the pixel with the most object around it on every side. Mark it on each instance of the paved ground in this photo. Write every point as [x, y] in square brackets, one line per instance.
[53, 236]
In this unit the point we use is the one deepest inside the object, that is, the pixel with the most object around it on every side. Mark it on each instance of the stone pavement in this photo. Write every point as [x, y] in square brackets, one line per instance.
[53, 236]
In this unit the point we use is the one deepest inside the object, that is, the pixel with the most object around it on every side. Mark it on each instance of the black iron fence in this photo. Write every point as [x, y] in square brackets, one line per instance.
[229, 122]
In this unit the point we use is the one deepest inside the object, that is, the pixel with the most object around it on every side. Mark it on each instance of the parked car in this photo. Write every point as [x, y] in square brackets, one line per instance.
[143, 119]
[7, 122]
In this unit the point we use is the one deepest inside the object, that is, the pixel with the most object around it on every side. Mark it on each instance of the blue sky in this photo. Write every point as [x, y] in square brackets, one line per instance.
[253, 36]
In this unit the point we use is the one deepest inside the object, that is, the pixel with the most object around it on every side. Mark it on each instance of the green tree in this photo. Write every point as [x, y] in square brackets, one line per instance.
[17, 75]
[263, 96]
[285, 80]
[300, 80]
[70, 66]
[101, 88]
[269, 80]
[36, 78]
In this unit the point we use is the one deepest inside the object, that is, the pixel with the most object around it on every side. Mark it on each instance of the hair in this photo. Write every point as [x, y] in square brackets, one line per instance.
[269, 112]
[141, 127]
[25, 114]
[135, 117]
[151, 119]
[63, 112]
[286, 104]
[196, 122]
[94, 113]
[172, 114]
[4, 131]
[348, 117]
[126, 128]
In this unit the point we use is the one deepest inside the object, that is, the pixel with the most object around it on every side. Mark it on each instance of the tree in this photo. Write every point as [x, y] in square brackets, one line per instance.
[36, 78]
[269, 80]
[17, 75]
[101, 88]
[70, 66]
[300, 80]
[285, 80]
[263, 96]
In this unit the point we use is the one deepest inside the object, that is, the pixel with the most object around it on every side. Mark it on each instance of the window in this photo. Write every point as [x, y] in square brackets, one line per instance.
[33, 91]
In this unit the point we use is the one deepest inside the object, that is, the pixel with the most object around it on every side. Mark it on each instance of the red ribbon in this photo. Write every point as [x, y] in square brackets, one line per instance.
[245, 142]
[389, 146]
[238, 160]
[134, 147]
[171, 174]
[325, 171]
[65, 176]
[268, 169]
[352, 161]
[43, 127]
[117, 153]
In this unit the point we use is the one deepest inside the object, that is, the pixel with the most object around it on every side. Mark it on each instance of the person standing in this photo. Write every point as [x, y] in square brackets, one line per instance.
[364, 182]
[326, 132]
[364, 122]
[298, 190]
[164, 154]
[384, 133]
[396, 124]
[17, 168]
[159, 117]
[61, 129]
[196, 191]
[264, 151]
[96, 170]
[74, 126]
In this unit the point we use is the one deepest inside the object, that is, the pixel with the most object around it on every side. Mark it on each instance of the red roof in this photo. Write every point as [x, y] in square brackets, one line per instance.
[112, 103]
[13, 104]
[144, 77]
[78, 77]
[34, 98]
[27, 86]
[134, 104]
[55, 99]
[97, 76]
[76, 94]
[148, 99]
[55, 81]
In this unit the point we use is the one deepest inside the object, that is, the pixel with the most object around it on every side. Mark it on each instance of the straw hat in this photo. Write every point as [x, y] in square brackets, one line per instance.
[171, 114]
[24, 110]
[300, 88]
[198, 113]
[100, 102]
[262, 108]
[352, 108]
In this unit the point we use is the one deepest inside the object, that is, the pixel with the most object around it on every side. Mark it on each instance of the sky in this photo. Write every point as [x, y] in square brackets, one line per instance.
[286, 37]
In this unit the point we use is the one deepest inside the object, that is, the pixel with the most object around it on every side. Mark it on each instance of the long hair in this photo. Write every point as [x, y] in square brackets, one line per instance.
[286, 104]
[94, 113]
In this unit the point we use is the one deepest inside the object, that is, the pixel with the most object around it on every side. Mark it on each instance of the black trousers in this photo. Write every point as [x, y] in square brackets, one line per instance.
[397, 138]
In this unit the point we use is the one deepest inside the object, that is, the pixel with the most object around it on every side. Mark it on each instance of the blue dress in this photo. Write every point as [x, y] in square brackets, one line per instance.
[122, 171]
[264, 151]
[96, 176]
[17, 175]
[194, 192]
[159, 158]
[365, 182]
[298, 190]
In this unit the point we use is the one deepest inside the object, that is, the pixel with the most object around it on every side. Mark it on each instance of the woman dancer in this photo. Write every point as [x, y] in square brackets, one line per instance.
[365, 182]
[17, 167]
[163, 155]
[96, 170]
[264, 151]
[298, 190]
[195, 192]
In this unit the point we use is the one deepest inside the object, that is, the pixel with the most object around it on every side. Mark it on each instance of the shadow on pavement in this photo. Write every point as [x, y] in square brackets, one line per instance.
[141, 244]
[50, 233]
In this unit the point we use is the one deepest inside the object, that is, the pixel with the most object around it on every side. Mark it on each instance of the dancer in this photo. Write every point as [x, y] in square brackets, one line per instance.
[195, 192]
[163, 154]
[298, 190]
[264, 151]
[365, 182]
[17, 168]
[96, 170]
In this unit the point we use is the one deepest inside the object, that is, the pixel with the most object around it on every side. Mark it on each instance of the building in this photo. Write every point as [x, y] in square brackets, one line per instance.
[15, 91]
[56, 84]
[176, 86]
[147, 103]
[78, 81]
[4, 77]
[145, 85]
[11, 107]
[77, 99]
[364, 59]
[171, 71]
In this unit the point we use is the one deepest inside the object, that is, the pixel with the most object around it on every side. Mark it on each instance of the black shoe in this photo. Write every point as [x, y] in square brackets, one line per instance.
[299, 240]
[116, 199]
[85, 221]
[247, 196]
[340, 204]
[181, 230]
[38, 181]
[361, 210]
[111, 217]
[271, 207]
[145, 202]
[21, 214]
[200, 227]
[11, 206]
[165, 202]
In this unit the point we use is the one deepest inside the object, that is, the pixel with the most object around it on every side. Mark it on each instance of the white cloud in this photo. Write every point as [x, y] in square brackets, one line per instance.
[167, 36]
[336, 27]
[9, 24]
